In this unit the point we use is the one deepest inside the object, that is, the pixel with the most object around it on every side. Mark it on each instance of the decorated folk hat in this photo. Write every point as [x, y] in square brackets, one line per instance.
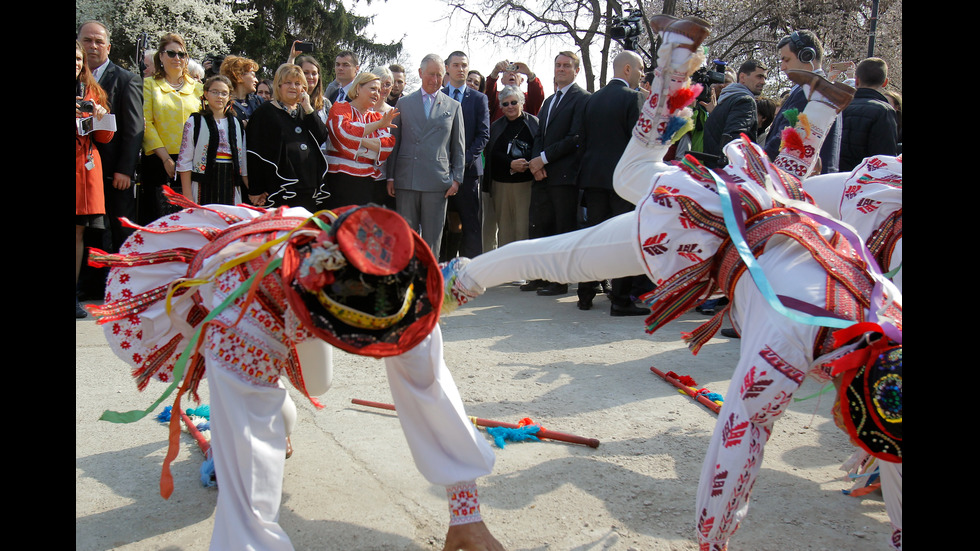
[870, 398]
[363, 281]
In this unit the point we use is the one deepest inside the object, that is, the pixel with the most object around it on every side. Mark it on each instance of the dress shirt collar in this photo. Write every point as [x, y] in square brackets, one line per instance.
[450, 88]
[97, 71]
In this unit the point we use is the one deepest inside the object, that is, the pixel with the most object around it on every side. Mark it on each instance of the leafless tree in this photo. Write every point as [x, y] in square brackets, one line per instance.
[741, 28]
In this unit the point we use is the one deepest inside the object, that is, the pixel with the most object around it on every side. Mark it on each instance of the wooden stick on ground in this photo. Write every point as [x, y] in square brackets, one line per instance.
[543, 433]
[201, 441]
[687, 390]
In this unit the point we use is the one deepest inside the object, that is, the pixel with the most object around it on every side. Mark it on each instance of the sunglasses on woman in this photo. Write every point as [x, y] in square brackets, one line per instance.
[172, 54]
[508, 103]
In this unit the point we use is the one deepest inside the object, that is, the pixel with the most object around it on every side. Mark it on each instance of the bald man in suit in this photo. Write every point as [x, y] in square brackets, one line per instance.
[426, 165]
[610, 115]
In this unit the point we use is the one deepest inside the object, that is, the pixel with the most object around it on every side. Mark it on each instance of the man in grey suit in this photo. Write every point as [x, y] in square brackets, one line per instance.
[426, 165]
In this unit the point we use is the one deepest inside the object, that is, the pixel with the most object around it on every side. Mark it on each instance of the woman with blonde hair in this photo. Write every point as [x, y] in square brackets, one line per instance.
[360, 142]
[285, 163]
[380, 195]
[169, 97]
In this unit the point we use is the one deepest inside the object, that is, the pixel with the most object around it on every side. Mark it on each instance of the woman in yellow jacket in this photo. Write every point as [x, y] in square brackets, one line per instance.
[169, 97]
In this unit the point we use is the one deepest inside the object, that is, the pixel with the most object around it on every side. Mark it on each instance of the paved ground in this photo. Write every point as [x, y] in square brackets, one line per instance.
[351, 484]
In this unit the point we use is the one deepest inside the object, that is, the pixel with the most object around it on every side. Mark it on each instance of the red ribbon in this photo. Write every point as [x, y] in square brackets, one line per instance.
[862, 356]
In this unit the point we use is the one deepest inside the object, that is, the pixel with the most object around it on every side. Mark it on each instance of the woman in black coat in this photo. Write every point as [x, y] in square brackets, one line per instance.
[286, 166]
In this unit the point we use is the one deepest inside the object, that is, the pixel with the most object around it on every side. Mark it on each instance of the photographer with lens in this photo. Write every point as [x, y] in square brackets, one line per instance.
[90, 101]
[735, 113]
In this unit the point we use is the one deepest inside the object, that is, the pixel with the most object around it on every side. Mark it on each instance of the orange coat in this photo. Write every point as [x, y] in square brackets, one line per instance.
[89, 194]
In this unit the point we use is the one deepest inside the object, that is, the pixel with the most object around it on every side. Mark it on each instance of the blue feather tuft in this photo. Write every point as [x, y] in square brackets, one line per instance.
[207, 472]
[164, 416]
[203, 411]
[503, 434]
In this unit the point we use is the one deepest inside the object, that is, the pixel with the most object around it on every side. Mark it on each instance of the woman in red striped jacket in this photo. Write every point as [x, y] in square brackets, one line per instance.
[360, 142]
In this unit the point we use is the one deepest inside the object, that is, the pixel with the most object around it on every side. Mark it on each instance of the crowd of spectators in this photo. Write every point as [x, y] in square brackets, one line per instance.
[472, 161]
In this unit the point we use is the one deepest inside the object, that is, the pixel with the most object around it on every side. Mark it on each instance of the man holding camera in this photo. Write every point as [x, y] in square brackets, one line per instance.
[514, 74]
[735, 112]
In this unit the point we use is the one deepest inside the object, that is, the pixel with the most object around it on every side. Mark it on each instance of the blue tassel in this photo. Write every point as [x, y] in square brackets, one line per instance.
[208, 479]
[203, 411]
[164, 416]
[673, 125]
[521, 434]
[714, 397]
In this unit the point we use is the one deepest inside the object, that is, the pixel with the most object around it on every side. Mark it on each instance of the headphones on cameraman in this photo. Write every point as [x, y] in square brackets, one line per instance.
[804, 53]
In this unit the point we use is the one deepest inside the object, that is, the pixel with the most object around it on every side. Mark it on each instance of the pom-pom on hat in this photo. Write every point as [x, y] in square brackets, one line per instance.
[870, 393]
[362, 280]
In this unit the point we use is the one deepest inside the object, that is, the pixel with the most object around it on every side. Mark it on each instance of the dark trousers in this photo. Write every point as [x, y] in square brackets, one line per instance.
[466, 203]
[152, 203]
[119, 203]
[553, 210]
[348, 190]
[601, 205]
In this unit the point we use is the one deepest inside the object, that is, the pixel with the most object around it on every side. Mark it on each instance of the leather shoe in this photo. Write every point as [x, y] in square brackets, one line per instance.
[534, 285]
[837, 94]
[584, 303]
[629, 310]
[692, 27]
[730, 333]
[553, 289]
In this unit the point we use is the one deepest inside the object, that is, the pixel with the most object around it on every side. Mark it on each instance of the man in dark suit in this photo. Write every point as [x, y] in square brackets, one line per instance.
[476, 125]
[121, 154]
[426, 165]
[346, 67]
[555, 162]
[610, 115]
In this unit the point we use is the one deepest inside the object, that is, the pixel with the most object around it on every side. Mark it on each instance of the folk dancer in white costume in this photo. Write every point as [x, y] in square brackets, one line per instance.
[797, 280]
[250, 296]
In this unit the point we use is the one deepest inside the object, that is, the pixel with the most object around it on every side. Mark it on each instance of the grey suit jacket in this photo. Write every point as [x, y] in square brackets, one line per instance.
[428, 153]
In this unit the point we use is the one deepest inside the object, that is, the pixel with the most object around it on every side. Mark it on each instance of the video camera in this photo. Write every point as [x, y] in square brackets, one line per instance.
[627, 28]
[706, 78]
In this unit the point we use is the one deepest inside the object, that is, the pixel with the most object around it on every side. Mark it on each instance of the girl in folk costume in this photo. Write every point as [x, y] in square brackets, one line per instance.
[806, 293]
[90, 101]
[211, 163]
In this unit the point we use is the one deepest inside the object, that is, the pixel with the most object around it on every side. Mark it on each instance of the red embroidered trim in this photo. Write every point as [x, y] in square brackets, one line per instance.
[883, 240]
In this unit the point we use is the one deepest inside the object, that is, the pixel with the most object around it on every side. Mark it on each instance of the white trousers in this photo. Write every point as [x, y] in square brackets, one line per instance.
[605, 251]
[249, 428]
